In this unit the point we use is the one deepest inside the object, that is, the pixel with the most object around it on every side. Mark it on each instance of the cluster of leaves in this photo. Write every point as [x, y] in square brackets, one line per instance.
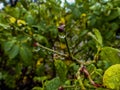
[37, 53]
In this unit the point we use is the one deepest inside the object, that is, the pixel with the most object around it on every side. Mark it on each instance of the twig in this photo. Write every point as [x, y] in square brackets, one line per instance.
[68, 48]
[51, 50]
[69, 86]
[87, 74]
[77, 52]
[79, 78]
[82, 62]
[65, 55]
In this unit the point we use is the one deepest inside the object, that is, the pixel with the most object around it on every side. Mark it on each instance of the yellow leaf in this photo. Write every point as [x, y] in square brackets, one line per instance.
[62, 46]
[83, 15]
[12, 20]
[62, 21]
[57, 24]
[24, 79]
[68, 62]
[29, 30]
[39, 61]
[55, 18]
[21, 22]
[24, 41]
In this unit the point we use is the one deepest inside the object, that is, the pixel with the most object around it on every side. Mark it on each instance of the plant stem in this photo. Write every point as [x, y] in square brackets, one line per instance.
[97, 54]
[73, 58]
[82, 62]
[79, 79]
[69, 86]
[51, 50]
[70, 55]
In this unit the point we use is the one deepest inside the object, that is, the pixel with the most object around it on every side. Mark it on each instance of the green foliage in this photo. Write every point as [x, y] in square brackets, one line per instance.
[13, 52]
[61, 70]
[111, 55]
[26, 54]
[53, 84]
[4, 26]
[97, 37]
[37, 88]
[8, 45]
[34, 56]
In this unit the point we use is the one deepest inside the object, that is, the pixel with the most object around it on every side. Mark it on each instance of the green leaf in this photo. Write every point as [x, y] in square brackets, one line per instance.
[110, 54]
[53, 31]
[16, 12]
[29, 18]
[26, 54]
[9, 80]
[39, 79]
[111, 77]
[24, 3]
[96, 6]
[92, 35]
[1, 76]
[61, 69]
[84, 32]
[116, 3]
[4, 25]
[76, 12]
[37, 88]
[98, 36]
[53, 84]
[8, 45]
[41, 39]
[13, 52]
[118, 9]
[113, 15]
[114, 26]
[104, 1]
